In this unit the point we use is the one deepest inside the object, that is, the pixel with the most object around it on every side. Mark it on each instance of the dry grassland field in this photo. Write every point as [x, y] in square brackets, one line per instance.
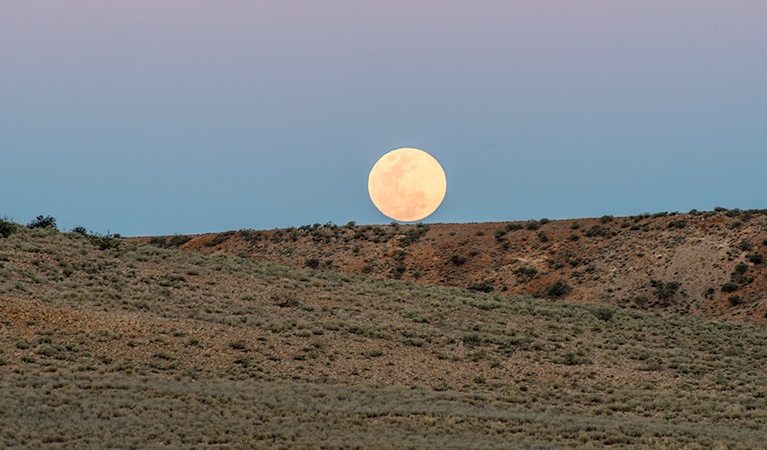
[154, 343]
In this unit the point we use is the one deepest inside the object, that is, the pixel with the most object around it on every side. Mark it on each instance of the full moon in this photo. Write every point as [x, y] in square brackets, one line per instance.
[407, 184]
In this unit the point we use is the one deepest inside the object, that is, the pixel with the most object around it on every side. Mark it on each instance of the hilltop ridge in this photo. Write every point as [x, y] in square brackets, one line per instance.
[710, 264]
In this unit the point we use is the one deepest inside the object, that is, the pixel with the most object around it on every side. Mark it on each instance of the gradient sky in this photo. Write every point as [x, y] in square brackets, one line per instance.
[143, 117]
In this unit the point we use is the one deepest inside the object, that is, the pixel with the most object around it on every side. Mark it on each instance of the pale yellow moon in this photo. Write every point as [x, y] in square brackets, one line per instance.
[407, 184]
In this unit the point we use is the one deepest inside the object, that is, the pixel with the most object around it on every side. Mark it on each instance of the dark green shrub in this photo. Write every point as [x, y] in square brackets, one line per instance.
[513, 227]
[604, 313]
[7, 228]
[414, 234]
[159, 241]
[105, 242]
[640, 300]
[179, 240]
[457, 259]
[472, 339]
[544, 221]
[744, 245]
[558, 289]
[312, 263]
[80, 230]
[43, 222]
[735, 300]
[571, 359]
[481, 287]
[532, 225]
[526, 271]
[542, 237]
[729, 287]
[740, 268]
[677, 224]
[755, 258]
[665, 291]
[252, 235]
[221, 238]
[239, 345]
[597, 231]
[606, 218]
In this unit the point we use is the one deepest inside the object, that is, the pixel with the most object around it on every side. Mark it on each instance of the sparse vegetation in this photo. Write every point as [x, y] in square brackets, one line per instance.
[140, 346]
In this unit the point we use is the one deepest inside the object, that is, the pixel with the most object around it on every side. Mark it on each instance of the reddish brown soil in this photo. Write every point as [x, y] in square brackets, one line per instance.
[602, 261]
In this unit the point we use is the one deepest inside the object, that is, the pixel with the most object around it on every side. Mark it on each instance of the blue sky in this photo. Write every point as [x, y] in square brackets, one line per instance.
[147, 118]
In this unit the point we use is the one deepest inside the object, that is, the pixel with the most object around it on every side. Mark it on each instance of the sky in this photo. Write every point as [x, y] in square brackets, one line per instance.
[183, 116]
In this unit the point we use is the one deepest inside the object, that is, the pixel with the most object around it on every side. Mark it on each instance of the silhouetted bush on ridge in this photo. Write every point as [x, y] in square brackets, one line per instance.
[43, 222]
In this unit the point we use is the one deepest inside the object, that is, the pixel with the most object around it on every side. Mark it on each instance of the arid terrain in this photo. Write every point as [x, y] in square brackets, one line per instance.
[620, 261]
[539, 334]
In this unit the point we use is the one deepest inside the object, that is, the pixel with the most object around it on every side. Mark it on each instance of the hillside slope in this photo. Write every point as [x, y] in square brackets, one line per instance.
[130, 345]
[710, 264]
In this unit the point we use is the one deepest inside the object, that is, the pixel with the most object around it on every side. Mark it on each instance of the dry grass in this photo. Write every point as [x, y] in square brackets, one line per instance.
[140, 345]
[609, 260]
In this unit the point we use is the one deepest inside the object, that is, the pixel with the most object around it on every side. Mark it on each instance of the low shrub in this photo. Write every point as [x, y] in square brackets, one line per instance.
[526, 271]
[558, 289]
[755, 258]
[43, 222]
[80, 230]
[604, 313]
[179, 240]
[481, 287]
[457, 259]
[571, 359]
[665, 291]
[729, 287]
[7, 228]
[597, 231]
[472, 339]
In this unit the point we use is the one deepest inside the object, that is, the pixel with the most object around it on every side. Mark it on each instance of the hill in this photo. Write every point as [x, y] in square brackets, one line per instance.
[105, 342]
[709, 264]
